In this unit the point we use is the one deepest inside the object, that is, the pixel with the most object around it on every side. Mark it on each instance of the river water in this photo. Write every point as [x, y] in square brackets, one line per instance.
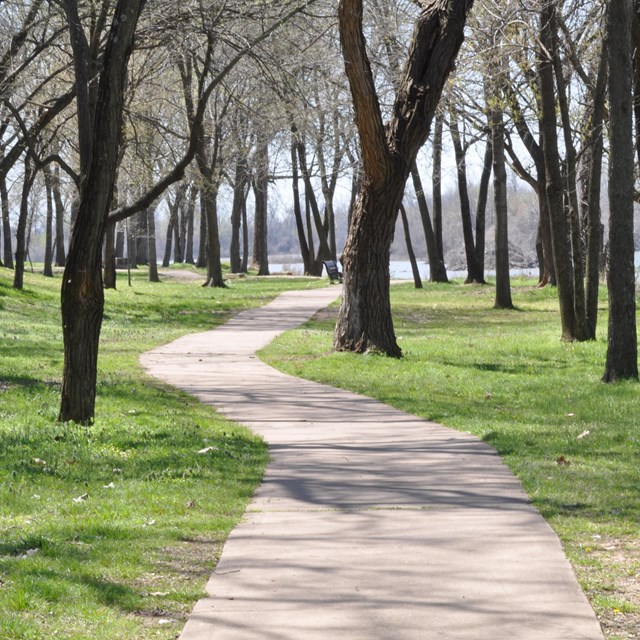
[401, 270]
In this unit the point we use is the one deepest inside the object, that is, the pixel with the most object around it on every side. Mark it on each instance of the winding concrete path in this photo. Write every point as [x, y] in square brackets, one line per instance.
[370, 523]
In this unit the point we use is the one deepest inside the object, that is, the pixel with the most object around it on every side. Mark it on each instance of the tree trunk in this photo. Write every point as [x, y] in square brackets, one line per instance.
[202, 247]
[151, 249]
[474, 271]
[168, 243]
[622, 346]
[560, 230]
[436, 186]
[591, 178]
[82, 291]
[417, 280]
[239, 197]
[59, 205]
[21, 230]
[48, 243]
[245, 239]
[503, 283]
[324, 250]
[141, 227]
[190, 215]
[261, 191]
[437, 270]
[6, 224]
[481, 206]
[297, 211]
[364, 320]
[214, 266]
[109, 258]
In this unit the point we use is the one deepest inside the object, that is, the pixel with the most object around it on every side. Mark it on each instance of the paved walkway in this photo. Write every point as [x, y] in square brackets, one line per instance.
[370, 523]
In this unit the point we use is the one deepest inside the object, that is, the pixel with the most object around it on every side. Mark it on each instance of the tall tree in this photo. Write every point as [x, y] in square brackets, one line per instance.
[622, 347]
[364, 320]
[99, 128]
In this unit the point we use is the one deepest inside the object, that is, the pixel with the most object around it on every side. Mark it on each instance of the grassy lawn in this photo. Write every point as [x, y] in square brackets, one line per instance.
[506, 377]
[111, 531]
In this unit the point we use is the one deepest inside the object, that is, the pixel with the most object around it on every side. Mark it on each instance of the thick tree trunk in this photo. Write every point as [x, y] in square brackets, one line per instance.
[417, 280]
[82, 291]
[622, 347]
[363, 325]
[437, 270]
[364, 320]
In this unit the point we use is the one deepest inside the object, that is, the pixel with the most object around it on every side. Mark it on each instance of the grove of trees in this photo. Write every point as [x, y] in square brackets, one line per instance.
[112, 110]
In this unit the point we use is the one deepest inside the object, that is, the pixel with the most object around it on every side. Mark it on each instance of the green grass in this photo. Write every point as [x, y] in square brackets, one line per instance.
[110, 531]
[506, 377]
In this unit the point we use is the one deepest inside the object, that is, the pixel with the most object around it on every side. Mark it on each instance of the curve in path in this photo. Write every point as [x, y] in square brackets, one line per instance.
[370, 523]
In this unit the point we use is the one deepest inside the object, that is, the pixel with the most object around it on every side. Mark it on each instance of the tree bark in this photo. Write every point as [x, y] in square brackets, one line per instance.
[474, 270]
[554, 188]
[364, 320]
[503, 284]
[61, 256]
[21, 229]
[297, 210]
[151, 242]
[190, 215]
[622, 346]
[48, 243]
[82, 290]
[261, 192]
[436, 186]
[239, 197]
[591, 190]
[417, 280]
[481, 206]
[437, 270]
[6, 224]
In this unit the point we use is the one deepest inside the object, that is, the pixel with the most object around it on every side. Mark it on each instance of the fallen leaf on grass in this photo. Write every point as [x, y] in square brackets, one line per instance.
[563, 461]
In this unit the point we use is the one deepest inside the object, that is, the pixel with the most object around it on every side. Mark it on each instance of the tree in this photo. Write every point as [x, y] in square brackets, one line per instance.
[622, 346]
[99, 128]
[364, 320]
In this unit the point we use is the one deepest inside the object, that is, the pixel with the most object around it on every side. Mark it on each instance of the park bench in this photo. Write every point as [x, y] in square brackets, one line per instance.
[332, 271]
